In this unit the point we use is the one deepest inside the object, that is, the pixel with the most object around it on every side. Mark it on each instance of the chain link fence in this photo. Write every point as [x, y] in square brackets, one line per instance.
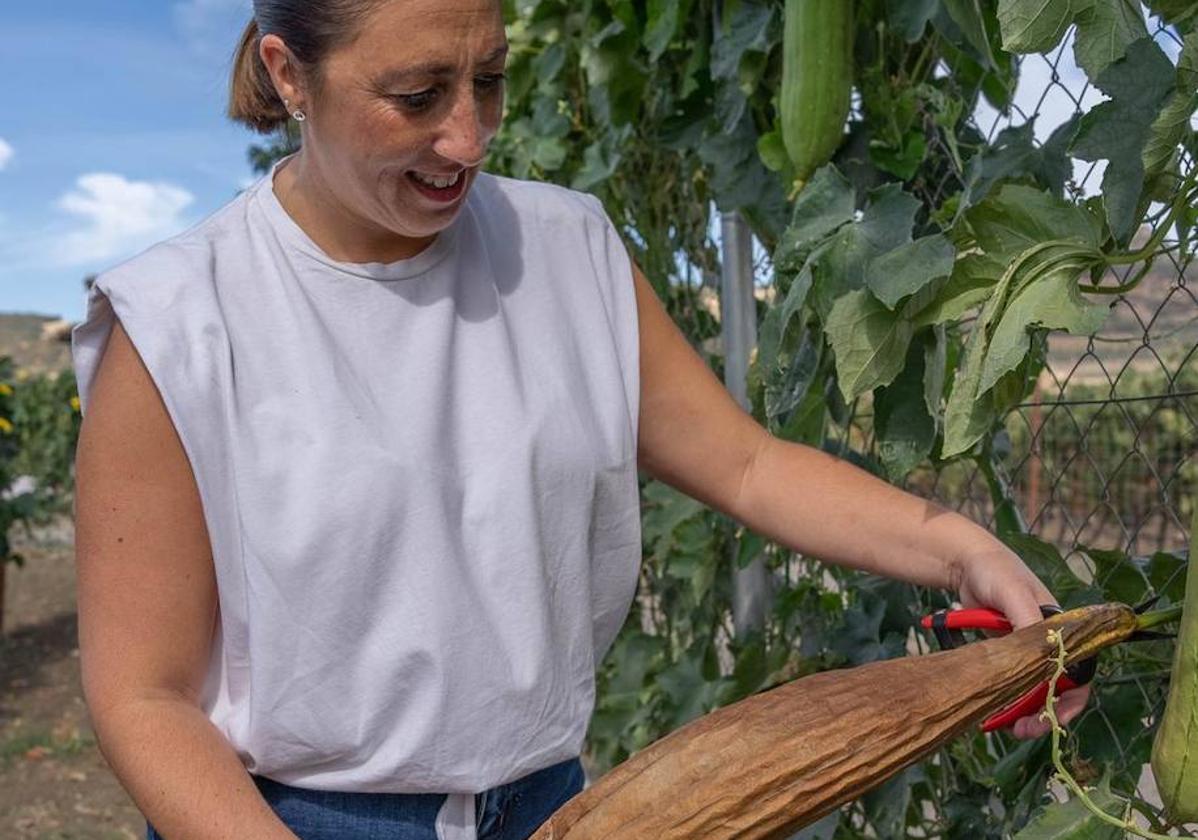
[1104, 455]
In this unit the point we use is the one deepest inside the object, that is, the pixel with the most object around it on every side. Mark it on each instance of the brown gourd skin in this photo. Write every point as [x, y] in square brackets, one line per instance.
[768, 765]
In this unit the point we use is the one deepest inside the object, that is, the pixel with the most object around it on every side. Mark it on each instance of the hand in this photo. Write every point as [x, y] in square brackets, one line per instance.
[991, 575]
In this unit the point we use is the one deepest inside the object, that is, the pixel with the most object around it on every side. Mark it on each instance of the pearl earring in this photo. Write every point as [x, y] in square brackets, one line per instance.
[298, 114]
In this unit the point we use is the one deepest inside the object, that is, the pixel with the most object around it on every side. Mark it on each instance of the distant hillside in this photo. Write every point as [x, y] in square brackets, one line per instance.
[21, 339]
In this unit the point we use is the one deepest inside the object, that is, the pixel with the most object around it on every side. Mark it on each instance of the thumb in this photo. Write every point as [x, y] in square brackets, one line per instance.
[1031, 605]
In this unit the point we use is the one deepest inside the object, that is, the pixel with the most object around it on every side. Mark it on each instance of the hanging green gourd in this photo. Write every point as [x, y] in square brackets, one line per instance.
[817, 81]
[1175, 750]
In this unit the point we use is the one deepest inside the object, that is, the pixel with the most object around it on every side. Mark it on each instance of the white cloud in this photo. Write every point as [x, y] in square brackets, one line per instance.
[211, 27]
[6, 153]
[119, 217]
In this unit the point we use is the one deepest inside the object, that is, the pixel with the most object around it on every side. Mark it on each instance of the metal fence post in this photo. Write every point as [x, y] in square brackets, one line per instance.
[738, 322]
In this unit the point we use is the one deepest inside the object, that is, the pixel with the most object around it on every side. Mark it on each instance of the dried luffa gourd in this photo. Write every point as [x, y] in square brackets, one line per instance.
[776, 761]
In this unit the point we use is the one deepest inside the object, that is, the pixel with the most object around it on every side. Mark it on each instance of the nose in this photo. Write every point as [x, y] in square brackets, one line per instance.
[465, 133]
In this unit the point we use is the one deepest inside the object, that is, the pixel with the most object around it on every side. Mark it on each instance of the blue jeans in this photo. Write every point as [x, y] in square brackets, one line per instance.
[508, 812]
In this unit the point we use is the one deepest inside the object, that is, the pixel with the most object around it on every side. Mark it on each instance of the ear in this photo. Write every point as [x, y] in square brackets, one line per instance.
[283, 68]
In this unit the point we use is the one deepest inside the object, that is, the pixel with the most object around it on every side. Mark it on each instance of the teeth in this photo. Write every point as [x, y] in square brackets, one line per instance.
[439, 183]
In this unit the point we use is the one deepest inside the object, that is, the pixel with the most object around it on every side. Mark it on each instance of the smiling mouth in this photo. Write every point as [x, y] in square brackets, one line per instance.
[438, 181]
[443, 189]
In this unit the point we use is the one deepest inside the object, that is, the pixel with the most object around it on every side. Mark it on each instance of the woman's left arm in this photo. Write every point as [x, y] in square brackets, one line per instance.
[693, 436]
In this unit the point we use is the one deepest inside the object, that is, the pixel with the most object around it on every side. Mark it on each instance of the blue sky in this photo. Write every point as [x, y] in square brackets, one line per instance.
[112, 136]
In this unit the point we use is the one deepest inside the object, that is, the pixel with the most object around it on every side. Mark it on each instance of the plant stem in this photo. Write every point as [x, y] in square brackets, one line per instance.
[1179, 203]
[1063, 773]
[1185, 195]
[1152, 619]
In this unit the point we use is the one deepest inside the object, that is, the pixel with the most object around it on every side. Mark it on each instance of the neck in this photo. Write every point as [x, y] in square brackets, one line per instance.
[340, 233]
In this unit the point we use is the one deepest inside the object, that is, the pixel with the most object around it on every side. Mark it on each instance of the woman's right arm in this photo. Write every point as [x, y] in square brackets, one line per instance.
[147, 611]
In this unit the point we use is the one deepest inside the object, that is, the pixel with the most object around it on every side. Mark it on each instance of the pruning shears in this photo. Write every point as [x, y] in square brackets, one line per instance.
[948, 626]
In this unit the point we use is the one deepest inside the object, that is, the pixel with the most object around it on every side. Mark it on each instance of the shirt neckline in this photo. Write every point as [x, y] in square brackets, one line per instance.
[295, 236]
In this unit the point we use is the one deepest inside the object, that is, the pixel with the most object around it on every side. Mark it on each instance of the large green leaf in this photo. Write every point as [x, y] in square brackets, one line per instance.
[861, 639]
[887, 221]
[826, 203]
[1053, 302]
[636, 653]
[969, 286]
[1167, 572]
[904, 427]
[968, 416]
[1105, 30]
[1120, 577]
[1050, 567]
[885, 224]
[1071, 820]
[1035, 25]
[935, 368]
[1112, 734]
[886, 805]
[667, 509]
[1118, 130]
[789, 388]
[747, 29]
[905, 270]
[691, 693]
[870, 342]
[739, 179]
[600, 160]
[1173, 11]
[777, 320]
[1015, 154]
[971, 18]
[1017, 217]
[909, 18]
[1172, 125]
[616, 78]
[663, 18]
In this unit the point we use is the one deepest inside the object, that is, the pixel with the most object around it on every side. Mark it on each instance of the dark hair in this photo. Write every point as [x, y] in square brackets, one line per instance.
[311, 29]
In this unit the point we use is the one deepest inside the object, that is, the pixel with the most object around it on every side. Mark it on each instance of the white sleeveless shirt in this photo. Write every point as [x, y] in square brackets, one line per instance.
[419, 480]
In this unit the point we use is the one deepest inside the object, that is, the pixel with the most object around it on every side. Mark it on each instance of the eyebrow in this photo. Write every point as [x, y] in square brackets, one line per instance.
[433, 68]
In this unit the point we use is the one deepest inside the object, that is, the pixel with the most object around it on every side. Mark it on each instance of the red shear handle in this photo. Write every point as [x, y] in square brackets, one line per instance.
[976, 619]
[1029, 704]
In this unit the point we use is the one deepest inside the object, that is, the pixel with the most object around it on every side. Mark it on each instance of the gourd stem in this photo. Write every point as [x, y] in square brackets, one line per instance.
[1148, 253]
[1125, 287]
[1063, 774]
[1152, 619]
[1179, 203]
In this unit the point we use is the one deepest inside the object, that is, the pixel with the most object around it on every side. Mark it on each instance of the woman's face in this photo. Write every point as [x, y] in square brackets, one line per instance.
[419, 91]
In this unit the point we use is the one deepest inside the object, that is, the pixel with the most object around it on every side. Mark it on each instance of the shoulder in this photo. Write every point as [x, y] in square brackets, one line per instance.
[183, 261]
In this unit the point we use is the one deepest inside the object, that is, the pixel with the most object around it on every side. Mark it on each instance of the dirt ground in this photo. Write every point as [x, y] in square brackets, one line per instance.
[54, 784]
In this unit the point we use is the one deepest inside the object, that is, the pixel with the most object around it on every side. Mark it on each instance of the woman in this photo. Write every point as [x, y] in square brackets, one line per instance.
[357, 511]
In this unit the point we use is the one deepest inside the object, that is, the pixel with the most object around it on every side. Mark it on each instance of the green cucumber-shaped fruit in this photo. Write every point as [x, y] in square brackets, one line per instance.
[1175, 750]
[817, 80]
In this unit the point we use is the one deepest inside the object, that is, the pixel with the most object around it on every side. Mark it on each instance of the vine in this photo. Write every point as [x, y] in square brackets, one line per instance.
[1065, 777]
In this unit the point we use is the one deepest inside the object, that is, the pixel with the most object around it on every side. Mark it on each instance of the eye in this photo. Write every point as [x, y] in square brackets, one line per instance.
[417, 101]
[490, 82]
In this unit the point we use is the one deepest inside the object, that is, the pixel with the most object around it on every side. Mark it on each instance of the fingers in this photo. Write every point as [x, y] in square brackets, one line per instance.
[1072, 703]
[1069, 705]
